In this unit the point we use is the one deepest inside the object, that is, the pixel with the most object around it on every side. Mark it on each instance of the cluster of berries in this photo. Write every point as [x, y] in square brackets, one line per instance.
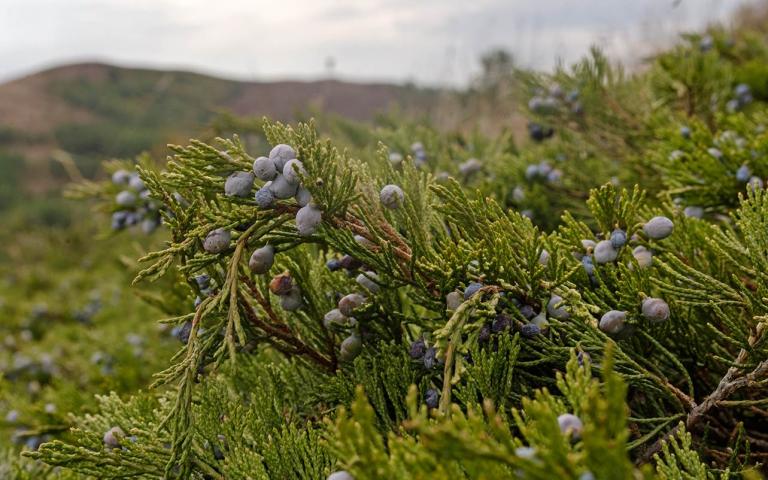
[134, 203]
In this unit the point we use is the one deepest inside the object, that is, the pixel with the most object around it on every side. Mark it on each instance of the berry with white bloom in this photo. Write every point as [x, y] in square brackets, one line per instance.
[264, 169]
[262, 259]
[217, 240]
[604, 252]
[392, 196]
[293, 171]
[308, 218]
[658, 228]
[280, 155]
[655, 309]
[613, 322]
[239, 184]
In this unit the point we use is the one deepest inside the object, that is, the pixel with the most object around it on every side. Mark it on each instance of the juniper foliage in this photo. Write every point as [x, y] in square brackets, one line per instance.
[261, 389]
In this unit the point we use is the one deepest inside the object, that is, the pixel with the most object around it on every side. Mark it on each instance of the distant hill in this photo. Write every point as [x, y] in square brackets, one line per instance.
[95, 111]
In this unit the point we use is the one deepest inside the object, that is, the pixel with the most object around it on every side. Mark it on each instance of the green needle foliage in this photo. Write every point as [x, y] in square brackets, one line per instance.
[590, 305]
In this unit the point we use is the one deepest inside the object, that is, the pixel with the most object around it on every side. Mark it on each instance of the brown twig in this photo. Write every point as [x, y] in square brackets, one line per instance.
[729, 384]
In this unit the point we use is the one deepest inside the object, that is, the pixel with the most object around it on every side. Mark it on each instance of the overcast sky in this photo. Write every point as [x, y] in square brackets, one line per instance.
[429, 41]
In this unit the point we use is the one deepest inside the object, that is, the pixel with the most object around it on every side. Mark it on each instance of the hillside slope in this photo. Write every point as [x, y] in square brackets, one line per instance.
[93, 111]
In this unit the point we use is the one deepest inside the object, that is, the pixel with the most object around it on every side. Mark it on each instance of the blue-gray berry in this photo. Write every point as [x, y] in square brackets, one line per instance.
[112, 437]
[430, 358]
[530, 330]
[417, 349]
[264, 169]
[392, 196]
[658, 228]
[308, 218]
[303, 197]
[280, 155]
[570, 425]
[121, 177]
[350, 348]
[293, 171]
[281, 188]
[217, 240]
[472, 289]
[368, 281]
[264, 197]
[349, 303]
[589, 266]
[239, 184]
[432, 398]
[604, 252]
[262, 259]
[655, 309]
[556, 308]
[292, 300]
[340, 475]
[693, 211]
[613, 322]
[618, 238]
[743, 173]
[125, 198]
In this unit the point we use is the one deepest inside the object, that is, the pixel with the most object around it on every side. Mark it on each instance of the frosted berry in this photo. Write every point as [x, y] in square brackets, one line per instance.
[685, 132]
[281, 188]
[417, 349]
[340, 475]
[643, 256]
[112, 437]
[618, 238]
[264, 197]
[136, 183]
[368, 281]
[349, 303]
[303, 197]
[470, 167]
[530, 330]
[613, 322]
[543, 257]
[432, 398]
[217, 240]
[350, 348]
[334, 317]
[292, 301]
[531, 172]
[604, 252]
[755, 183]
[556, 308]
[430, 358]
[239, 184]
[658, 228]
[262, 259]
[281, 284]
[395, 159]
[121, 177]
[125, 198]
[527, 311]
[588, 245]
[453, 300]
[264, 169]
[308, 218]
[589, 266]
[655, 309]
[119, 220]
[743, 173]
[392, 196]
[280, 155]
[715, 153]
[333, 264]
[693, 212]
[293, 171]
[472, 289]
[364, 242]
[541, 321]
[570, 425]
[501, 323]
[348, 262]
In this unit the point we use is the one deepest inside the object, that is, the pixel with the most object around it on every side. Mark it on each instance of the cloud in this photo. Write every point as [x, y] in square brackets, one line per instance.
[432, 41]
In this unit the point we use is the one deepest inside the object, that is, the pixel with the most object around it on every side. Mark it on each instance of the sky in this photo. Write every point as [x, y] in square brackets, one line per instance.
[429, 42]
